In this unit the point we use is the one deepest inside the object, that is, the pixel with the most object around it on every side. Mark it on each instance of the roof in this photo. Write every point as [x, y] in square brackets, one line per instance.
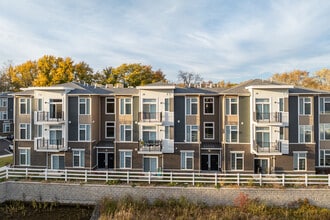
[189, 90]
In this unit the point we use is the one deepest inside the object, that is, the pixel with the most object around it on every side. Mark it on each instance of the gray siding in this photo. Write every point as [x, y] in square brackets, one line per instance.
[135, 118]
[10, 108]
[244, 119]
[293, 119]
[316, 129]
[73, 118]
[179, 114]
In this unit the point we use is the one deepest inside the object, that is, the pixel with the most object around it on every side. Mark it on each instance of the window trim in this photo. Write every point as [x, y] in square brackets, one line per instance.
[5, 126]
[230, 102]
[302, 109]
[206, 138]
[196, 128]
[106, 129]
[87, 103]
[88, 136]
[323, 101]
[231, 158]
[27, 131]
[189, 109]
[27, 156]
[125, 156]
[122, 108]
[303, 127]
[230, 133]
[120, 132]
[298, 163]
[322, 131]
[2, 101]
[324, 154]
[27, 103]
[81, 158]
[109, 102]
[204, 103]
[184, 152]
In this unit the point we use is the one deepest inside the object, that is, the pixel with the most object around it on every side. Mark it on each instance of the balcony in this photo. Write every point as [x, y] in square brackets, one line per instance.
[270, 117]
[150, 116]
[48, 116]
[150, 147]
[267, 147]
[48, 145]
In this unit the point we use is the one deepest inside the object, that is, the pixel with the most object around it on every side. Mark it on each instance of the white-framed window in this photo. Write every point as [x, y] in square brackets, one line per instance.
[305, 133]
[125, 106]
[6, 127]
[325, 131]
[305, 105]
[299, 160]
[209, 130]
[263, 137]
[125, 159]
[126, 133]
[39, 104]
[262, 109]
[237, 160]
[3, 115]
[39, 130]
[187, 160]
[192, 133]
[25, 131]
[167, 132]
[208, 105]
[78, 157]
[149, 133]
[25, 106]
[191, 106]
[281, 104]
[325, 105]
[24, 156]
[325, 158]
[3, 102]
[149, 109]
[231, 106]
[109, 105]
[231, 134]
[84, 106]
[109, 129]
[167, 104]
[84, 132]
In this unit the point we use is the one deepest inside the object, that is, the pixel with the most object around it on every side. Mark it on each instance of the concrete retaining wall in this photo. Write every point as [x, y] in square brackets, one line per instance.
[90, 194]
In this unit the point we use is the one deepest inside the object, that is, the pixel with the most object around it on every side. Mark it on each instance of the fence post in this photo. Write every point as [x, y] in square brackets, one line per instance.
[106, 176]
[328, 179]
[306, 179]
[238, 179]
[26, 172]
[260, 179]
[85, 176]
[46, 174]
[65, 175]
[193, 178]
[172, 178]
[127, 177]
[149, 178]
[216, 179]
[7, 174]
[283, 179]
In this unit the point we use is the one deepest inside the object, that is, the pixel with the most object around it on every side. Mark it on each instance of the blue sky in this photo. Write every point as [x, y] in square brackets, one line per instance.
[221, 40]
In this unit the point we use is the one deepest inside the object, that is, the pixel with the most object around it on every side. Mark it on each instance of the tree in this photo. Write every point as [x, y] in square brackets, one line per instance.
[83, 72]
[134, 74]
[323, 78]
[189, 78]
[295, 77]
[5, 80]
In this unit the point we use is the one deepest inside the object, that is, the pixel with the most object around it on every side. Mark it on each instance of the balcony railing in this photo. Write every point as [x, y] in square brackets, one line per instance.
[150, 146]
[49, 116]
[271, 117]
[267, 147]
[150, 116]
[44, 144]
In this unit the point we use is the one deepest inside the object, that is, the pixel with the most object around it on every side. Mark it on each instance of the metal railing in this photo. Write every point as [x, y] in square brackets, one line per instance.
[42, 116]
[193, 178]
[150, 146]
[267, 147]
[49, 144]
[150, 116]
[268, 117]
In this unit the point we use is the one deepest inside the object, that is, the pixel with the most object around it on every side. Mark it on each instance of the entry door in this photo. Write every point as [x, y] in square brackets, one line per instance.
[214, 162]
[205, 162]
[210, 162]
[57, 162]
[111, 160]
[150, 164]
[261, 166]
[101, 160]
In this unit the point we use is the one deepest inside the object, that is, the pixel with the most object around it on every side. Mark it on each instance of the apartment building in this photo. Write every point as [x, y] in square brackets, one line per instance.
[256, 127]
[6, 115]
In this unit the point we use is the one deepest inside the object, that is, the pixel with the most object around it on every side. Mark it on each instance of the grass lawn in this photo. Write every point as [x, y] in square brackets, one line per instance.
[6, 160]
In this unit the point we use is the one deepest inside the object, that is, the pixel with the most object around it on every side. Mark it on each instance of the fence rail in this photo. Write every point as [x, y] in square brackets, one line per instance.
[193, 178]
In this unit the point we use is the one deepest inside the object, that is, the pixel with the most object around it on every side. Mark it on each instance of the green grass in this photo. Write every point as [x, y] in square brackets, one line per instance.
[6, 160]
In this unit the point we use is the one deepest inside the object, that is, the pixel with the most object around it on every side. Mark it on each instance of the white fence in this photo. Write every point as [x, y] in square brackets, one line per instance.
[193, 178]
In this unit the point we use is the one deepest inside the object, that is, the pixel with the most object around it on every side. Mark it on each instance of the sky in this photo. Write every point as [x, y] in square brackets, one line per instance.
[220, 40]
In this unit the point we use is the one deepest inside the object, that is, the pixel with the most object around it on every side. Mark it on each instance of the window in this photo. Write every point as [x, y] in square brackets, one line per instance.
[84, 132]
[149, 133]
[3, 102]
[25, 132]
[263, 136]
[187, 160]
[191, 106]
[324, 131]
[231, 106]
[39, 104]
[6, 127]
[208, 130]
[324, 158]
[281, 104]
[237, 160]
[149, 109]
[24, 156]
[126, 106]
[191, 133]
[208, 105]
[84, 106]
[109, 129]
[262, 109]
[78, 158]
[55, 135]
[324, 105]
[25, 106]
[125, 159]
[305, 133]
[125, 132]
[231, 134]
[39, 131]
[282, 133]
[167, 132]
[299, 161]
[109, 105]
[305, 106]
[3, 115]
[167, 104]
